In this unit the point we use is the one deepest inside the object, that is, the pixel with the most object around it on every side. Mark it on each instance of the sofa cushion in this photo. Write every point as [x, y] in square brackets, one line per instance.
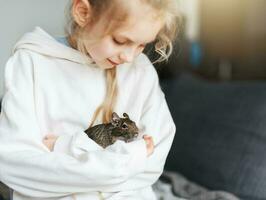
[220, 140]
[4, 192]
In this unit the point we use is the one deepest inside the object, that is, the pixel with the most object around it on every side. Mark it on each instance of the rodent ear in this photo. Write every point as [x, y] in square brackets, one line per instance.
[115, 116]
[115, 119]
[125, 115]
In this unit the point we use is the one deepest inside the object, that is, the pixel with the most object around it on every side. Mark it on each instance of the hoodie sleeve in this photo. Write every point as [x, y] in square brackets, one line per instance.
[29, 168]
[156, 120]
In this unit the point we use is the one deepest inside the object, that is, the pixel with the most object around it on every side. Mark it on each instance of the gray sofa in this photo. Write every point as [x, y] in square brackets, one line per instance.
[220, 141]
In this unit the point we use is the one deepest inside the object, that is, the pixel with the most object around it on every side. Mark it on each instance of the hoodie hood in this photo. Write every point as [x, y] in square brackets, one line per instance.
[41, 42]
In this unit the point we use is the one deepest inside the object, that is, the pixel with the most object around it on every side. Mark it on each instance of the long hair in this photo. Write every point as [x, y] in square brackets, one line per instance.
[163, 45]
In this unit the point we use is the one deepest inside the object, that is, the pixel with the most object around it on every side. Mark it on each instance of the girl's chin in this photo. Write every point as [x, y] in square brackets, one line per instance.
[104, 65]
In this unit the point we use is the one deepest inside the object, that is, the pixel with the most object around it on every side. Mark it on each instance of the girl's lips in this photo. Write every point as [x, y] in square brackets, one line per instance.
[113, 63]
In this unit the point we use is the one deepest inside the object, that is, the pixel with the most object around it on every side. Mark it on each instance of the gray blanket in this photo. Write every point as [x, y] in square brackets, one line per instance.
[174, 186]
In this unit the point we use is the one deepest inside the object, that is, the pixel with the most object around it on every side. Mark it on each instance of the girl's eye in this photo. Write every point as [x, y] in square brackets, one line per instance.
[118, 42]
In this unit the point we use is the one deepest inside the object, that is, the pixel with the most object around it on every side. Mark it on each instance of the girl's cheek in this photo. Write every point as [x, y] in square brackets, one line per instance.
[97, 53]
[103, 49]
[108, 50]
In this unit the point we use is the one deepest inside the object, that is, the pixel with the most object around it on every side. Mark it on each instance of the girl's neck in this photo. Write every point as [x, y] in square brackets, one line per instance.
[73, 44]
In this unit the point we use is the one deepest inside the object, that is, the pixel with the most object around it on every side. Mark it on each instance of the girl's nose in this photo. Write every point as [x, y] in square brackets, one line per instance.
[127, 55]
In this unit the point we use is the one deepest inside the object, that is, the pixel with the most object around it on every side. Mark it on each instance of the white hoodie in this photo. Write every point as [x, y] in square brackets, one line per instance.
[49, 88]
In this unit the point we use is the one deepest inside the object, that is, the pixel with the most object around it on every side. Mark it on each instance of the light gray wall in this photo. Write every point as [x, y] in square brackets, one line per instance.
[20, 16]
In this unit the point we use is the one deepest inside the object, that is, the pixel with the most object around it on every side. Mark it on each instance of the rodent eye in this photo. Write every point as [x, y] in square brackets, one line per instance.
[124, 126]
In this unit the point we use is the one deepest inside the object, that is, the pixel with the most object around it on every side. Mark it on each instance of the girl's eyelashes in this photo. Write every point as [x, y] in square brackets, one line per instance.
[118, 42]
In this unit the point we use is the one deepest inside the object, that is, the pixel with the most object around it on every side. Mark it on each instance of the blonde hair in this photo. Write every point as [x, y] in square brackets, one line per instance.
[163, 45]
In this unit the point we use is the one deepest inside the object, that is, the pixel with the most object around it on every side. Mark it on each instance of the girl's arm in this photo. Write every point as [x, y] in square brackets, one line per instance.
[157, 121]
[28, 167]
[50, 139]
[163, 129]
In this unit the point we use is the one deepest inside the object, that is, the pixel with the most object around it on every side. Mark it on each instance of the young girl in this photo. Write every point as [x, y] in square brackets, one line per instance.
[56, 88]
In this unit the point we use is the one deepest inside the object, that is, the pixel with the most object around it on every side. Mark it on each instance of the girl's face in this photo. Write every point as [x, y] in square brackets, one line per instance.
[126, 41]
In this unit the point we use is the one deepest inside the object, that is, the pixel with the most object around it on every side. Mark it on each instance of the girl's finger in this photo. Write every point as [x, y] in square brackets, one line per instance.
[48, 136]
[146, 136]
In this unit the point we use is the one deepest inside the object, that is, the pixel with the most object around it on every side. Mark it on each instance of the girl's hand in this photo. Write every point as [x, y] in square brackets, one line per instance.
[49, 141]
[149, 144]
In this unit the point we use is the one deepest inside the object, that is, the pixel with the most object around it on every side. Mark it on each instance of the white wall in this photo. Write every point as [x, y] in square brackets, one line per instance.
[191, 11]
[20, 16]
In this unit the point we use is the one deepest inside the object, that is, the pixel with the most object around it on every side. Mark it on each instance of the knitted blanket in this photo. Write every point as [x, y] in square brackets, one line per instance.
[174, 186]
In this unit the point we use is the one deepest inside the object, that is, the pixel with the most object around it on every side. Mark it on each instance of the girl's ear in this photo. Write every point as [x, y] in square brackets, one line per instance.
[81, 11]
